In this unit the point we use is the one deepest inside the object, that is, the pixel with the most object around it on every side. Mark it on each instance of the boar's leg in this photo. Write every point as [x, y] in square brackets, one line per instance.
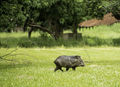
[61, 69]
[58, 68]
[67, 69]
[73, 68]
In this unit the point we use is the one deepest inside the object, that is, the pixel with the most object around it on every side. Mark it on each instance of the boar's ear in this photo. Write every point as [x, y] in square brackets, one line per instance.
[77, 57]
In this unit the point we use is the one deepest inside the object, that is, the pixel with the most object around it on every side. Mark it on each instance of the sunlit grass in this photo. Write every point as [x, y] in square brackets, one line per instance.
[18, 34]
[103, 32]
[34, 67]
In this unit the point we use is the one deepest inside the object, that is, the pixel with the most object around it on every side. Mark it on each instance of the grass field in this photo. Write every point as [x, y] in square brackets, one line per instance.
[34, 67]
[31, 65]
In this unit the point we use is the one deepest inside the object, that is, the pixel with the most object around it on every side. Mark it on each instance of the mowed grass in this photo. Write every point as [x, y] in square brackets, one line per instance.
[102, 35]
[34, 67]
[103, 32]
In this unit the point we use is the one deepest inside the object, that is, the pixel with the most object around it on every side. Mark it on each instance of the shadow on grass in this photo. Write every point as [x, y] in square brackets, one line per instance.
[12, 65]
[116, 41]
[50, 42]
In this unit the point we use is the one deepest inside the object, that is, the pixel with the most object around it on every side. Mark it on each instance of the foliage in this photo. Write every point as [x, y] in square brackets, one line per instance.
[98, 36]
[11, 15]
[94, 8]
[51, 16]
[114, 7]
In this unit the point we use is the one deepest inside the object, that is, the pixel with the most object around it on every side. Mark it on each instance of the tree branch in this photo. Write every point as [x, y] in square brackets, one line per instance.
[41, 28]
[8, 54]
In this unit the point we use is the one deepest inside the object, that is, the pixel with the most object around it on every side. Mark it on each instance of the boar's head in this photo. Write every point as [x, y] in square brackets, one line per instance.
[81, 63]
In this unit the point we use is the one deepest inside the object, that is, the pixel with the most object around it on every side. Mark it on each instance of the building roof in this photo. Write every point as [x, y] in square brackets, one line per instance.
[108, 19]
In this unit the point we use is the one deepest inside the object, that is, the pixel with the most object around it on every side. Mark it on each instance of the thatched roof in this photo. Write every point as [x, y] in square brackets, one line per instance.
[108, 19]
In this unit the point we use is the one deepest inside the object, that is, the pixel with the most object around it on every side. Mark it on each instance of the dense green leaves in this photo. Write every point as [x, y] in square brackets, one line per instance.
[114, 7]
[11, 15]
[53, 15]
[94, 8]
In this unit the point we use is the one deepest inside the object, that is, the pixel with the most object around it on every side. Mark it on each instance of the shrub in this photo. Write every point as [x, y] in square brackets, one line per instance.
[4, 44]
[26, 43]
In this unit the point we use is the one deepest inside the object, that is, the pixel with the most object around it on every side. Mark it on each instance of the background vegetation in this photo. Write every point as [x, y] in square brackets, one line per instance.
[52, 16]
[97, 36]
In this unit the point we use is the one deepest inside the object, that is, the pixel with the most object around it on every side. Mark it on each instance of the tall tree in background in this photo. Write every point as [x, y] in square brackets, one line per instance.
[11, 15]
[51, 16]
[65, 13]
[116, 9]
[113, 6]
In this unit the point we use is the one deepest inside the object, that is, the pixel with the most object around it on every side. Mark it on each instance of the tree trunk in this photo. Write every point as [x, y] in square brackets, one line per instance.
[9, 30]
[55, 30]
[26, 24]
[30, 32]
[75, 31]
[58, 31]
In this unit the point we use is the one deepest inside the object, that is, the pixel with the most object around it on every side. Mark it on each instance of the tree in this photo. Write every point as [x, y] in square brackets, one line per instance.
[113, 7]
[116, 9]
[10, 15]
[51, 16]
[94, 8]
[64, 13]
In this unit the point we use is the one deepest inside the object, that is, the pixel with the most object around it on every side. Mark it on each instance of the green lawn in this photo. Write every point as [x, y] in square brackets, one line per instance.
[32, 64]
[34, 67]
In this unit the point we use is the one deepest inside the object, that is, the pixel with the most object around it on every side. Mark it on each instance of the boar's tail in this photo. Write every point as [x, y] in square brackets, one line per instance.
[56, 63]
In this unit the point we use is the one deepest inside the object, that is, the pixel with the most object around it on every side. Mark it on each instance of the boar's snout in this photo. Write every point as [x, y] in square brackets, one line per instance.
[82, 64]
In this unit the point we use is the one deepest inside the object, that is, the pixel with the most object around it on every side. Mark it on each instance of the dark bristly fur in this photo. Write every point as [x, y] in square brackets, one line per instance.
[68, 62]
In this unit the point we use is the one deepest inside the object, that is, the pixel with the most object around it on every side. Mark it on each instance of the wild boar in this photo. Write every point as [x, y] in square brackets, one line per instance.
[68, 62]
